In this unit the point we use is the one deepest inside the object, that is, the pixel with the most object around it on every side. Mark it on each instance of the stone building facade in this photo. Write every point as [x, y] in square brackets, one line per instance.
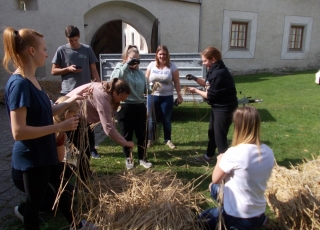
[251, 34]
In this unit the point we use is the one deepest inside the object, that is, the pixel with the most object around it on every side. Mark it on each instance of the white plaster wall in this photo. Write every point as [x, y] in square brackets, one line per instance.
[269, 40]
[178, 22]
[179, 25]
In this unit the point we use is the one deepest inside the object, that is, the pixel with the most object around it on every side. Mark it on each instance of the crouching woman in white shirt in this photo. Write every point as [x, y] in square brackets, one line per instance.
[245, 167]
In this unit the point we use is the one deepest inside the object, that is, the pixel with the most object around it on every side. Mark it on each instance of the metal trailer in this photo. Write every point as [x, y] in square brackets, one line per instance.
[187, 63]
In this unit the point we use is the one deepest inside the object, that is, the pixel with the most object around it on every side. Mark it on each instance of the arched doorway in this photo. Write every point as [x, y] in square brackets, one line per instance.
[104, 26]
[112, 37]
[108, 38]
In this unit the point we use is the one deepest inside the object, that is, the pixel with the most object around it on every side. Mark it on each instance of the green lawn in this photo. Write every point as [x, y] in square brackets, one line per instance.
[289, 114]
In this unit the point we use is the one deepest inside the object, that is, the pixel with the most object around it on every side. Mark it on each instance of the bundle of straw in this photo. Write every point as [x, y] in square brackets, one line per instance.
[142, 200]
[294, 193]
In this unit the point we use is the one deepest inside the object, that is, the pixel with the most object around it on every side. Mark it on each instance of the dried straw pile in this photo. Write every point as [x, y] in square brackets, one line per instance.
[141, 200]
[294, 195]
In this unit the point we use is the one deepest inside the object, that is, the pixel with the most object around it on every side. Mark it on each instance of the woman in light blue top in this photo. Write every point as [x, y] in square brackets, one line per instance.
[133, 113]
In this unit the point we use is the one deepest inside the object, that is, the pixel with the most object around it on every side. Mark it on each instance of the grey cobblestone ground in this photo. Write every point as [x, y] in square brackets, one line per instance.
[9, 195]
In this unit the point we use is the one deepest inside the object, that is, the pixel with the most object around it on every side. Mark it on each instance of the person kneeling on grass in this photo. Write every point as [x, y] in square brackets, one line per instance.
[245, 167]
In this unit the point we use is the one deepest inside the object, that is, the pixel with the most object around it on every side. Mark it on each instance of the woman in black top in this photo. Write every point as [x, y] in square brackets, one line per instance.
[220, 93]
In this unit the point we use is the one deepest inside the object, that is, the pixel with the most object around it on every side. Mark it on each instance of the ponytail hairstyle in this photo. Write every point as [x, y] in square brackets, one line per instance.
[167, 62]
[246, 126]
[211, 52]
[128, 50]
[72, 107]
[118, 86]
[15, 44]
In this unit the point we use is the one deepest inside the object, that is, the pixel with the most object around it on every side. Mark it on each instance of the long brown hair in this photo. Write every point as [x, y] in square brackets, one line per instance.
[246, 126]
[15, 43]
[167, 62]
[118, 86]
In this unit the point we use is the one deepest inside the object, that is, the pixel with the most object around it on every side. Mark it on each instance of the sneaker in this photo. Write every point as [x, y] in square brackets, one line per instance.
[17, 213]
[94, 154]
[170, 145]
[145, 163]
[129, 163]
[150, 144]
[203, 158]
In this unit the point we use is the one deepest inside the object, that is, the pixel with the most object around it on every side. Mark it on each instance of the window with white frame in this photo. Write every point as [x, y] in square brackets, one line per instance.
[296, 37]
[239, 34]
[238, 38]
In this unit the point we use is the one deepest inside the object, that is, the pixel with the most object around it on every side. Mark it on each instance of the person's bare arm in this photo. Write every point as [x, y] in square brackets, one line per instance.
[198, 91]
[94, 73]
[56, 70]
[176, 81]
[60, 152]
[59, 108]
[22, 131]
[148, 74]
[218, 174]
[201, 81]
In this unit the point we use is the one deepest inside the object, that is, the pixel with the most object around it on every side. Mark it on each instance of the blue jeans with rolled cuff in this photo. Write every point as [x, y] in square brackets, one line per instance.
[159, 107]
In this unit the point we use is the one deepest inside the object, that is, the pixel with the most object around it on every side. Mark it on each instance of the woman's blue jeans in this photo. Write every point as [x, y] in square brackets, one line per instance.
[159, 107]
[211, 217]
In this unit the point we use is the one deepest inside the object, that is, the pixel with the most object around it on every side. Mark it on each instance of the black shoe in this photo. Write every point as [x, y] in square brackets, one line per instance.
[94, 154]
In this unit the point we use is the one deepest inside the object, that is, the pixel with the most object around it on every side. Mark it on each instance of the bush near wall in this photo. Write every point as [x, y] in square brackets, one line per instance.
[52, 88]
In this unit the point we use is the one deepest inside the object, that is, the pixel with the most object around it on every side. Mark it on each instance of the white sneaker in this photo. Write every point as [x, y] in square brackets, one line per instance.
[17, 213]
[170, 145]
[145, 163]
[129, 163]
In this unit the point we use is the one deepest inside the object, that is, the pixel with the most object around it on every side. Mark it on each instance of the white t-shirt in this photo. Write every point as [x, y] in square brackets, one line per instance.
[246, 182]
[164, 76]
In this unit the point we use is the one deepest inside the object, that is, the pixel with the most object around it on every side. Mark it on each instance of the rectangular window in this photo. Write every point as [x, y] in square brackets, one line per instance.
[132, 38]
[238, 38]
[22, 5]
[295, 37]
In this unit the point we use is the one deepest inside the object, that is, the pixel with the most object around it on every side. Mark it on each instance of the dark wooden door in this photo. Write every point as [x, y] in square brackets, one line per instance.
[155, 39]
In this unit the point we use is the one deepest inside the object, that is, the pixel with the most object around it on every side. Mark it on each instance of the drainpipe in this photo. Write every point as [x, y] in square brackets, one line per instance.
[200, 17]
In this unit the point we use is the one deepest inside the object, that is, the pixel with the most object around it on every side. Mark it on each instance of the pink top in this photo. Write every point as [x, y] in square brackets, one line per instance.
[99, 109]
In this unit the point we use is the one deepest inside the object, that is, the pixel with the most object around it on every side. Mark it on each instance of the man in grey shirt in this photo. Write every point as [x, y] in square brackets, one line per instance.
[76, 64]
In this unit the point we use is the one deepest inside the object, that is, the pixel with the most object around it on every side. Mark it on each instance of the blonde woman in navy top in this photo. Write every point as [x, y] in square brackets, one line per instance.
[30, 112]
